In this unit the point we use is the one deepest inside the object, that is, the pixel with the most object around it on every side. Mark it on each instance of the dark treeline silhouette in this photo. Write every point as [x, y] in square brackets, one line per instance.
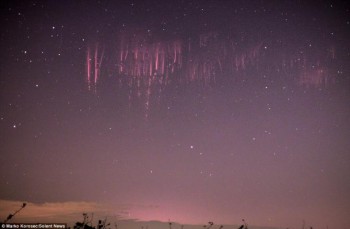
[87, 223]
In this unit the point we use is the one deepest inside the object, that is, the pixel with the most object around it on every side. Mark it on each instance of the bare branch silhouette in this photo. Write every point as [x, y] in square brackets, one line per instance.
[10, 216]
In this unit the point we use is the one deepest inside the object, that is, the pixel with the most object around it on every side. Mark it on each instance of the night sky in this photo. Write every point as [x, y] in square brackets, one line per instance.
[183, 111]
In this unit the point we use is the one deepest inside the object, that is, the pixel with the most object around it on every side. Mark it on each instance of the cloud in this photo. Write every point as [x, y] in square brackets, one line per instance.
[55, 212]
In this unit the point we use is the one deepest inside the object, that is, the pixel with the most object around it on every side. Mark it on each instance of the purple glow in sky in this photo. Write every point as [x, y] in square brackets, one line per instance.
[182, 111]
